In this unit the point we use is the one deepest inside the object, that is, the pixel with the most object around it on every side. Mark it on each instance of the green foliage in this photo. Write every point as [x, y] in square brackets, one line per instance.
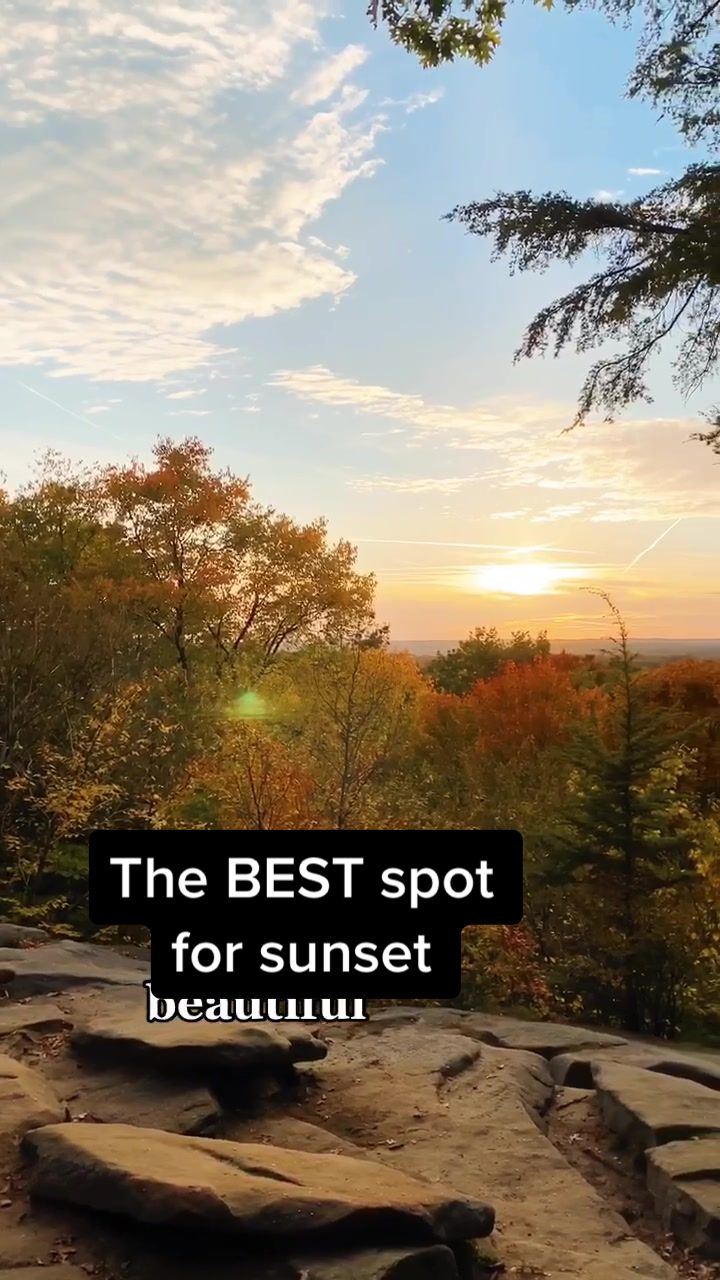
[439, 31]
[660, 277]
[661, 252]
[481, 656]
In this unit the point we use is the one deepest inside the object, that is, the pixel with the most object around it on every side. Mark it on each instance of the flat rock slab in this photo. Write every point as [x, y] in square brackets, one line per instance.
[116, 1096]
[27, 1101]
[684, 1180]
[544, 1038]
[231, 1188]
[647, 1110]
[20, 935]
[575, 1069]
[38, 1017]
[118, 1029]
[59, 966]
[472, 1130]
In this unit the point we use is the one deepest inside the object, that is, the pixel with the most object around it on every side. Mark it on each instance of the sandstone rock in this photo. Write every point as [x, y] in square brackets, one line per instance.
[545, 1038]
[19, 935]
[26, 1102]
[59, 966]
[531, 1077]
[684, 1180]
[117, 1029]
[289, 1132]
[116, 1096]
[473, 1131]
[232, 1188]
[646, 1110]
[41, 1017]
[575, 1069]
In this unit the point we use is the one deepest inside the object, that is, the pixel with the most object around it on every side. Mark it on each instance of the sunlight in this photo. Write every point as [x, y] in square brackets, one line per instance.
[524, 579]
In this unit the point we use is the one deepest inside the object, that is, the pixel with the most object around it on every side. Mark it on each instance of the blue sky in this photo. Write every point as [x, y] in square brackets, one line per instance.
[224, 218]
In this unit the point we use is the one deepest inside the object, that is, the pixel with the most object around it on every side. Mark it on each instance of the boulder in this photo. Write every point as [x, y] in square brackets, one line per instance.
[40, 1018]
[684, 1180]
[249, 1189]
[20, 935]
[26, 1102]
[59, 966]
[575, 1069]
[117, 1029]
[646, 1110]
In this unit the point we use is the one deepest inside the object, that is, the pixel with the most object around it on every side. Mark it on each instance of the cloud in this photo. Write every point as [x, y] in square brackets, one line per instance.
[633, 470]
[427, 484]
[607, 197]
[189, 393]
[138, 221]
[645, 173]
[189, 413]
[98, 408]
[326, 79]
[415, 101]
[318, 384]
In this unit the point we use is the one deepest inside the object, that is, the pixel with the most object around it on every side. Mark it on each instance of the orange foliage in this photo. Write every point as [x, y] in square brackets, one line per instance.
[530, 706]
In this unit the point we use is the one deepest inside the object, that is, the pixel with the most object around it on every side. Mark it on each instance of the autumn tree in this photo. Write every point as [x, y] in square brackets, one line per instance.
[356, 716]
[481, 655]
[213, 572]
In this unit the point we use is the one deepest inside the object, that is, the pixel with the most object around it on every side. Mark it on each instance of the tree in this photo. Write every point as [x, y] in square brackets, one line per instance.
[481, 655]
[626, 840]
[662, 270]
[439, 31]
[356, 716]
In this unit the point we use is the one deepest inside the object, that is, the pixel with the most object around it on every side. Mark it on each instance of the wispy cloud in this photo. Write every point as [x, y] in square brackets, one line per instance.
[323, 82]
[189, 394]
[645, 173]
[415, 101]
[607, 197]
[127, 240]
[416, 485]
[633, 470]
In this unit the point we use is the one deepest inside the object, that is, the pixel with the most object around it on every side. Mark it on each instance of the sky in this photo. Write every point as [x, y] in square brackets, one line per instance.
[224, 218]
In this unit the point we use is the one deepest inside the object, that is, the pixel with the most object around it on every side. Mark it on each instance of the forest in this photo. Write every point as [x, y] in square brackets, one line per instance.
[173, 654]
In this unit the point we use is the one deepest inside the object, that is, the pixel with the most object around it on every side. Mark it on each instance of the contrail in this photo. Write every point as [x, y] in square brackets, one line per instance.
[70, 412]
[652, 546]
[471, 546]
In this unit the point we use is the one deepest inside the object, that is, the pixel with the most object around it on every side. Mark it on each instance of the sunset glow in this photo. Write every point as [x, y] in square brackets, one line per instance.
[524, 579]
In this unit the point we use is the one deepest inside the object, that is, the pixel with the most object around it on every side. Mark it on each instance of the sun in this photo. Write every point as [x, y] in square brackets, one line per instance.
[523, 579]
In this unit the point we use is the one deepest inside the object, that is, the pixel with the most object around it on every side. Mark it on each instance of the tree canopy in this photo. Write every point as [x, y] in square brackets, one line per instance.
[661, 271]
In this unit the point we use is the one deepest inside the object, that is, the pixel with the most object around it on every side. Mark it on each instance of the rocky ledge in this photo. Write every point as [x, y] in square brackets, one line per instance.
[413, 1146]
